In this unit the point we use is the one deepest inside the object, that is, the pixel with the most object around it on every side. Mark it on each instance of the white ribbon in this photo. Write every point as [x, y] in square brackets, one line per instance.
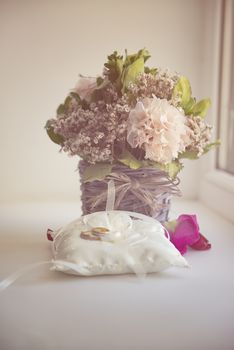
[110, 202]
[21, 272]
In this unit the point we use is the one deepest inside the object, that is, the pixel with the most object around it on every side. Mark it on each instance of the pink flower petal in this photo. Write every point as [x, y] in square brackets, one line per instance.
[186, 232]
[201, 244]
[50, 234]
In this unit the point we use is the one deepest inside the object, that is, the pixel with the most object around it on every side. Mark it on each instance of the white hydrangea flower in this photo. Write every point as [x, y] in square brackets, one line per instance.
[157, 127]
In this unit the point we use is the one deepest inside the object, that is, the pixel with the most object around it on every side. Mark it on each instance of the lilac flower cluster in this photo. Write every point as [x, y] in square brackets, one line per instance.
[94, 133]
[160, 85]
[199, 135]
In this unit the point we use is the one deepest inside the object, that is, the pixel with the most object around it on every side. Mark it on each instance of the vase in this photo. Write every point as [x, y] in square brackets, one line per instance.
[145, 190]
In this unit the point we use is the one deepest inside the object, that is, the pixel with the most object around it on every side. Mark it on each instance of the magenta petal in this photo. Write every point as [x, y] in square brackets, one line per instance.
[186, 232]
[181, 247]
[50, 234]
[201, 244]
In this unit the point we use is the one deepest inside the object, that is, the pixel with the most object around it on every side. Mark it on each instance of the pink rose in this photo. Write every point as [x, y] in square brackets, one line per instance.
[185, 232]
[85, 86]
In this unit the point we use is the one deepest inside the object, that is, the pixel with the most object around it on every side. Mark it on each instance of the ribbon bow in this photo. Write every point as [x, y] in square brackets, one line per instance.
[145, 185]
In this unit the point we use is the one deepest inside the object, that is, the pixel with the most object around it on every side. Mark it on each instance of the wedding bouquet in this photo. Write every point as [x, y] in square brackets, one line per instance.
[135, 125]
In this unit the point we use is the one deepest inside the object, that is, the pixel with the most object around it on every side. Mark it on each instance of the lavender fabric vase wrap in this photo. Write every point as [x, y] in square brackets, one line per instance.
[146, 190]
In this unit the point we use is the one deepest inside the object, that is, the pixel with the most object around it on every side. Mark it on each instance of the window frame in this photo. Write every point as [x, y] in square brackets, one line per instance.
[217, 186]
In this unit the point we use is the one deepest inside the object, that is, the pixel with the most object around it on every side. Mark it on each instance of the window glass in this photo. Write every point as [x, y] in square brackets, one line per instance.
[225, 158]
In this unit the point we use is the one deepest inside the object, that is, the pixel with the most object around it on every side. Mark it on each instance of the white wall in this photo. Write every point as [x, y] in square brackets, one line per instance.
[46, 44]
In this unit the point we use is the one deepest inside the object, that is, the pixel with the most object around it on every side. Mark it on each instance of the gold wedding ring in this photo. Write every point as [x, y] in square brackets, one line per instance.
[95, 234]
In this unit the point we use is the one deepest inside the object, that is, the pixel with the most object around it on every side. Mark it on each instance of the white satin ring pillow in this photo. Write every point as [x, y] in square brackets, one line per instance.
[114, 242]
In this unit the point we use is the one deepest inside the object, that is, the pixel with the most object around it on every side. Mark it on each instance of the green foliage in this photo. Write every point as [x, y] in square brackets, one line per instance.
[152, 71]
[212, 145]
[194, 154]
[60, 109]
[188, 109]
[64, 108]
[114, 68]
[67, 102]
[200, 108]
[121, 71]
[133, 66]
[188, 155]
[99, 81]
[56, 138]
[182, 91]
[172, 169]
[132, 71]
[129, 160]
[97, 171]
[76, 96]
[129, 59]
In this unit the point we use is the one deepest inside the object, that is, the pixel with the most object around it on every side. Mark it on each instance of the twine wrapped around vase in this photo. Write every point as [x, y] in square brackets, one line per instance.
[146, 190]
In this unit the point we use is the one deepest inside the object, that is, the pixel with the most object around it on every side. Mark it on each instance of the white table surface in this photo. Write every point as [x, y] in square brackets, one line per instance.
[177, 309]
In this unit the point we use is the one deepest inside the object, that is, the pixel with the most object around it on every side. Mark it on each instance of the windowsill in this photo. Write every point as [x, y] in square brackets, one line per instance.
[177, 309]
[221, 179]
[217, 192]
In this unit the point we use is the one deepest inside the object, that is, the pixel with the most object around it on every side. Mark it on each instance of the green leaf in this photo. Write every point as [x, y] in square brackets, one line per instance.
[99, 81]
[143, 53]
[60, 109]
[75, 96]
[114, 67]
[182, 90]
[84, 104]
[64, 108]
[56, 138]
[97, 171]
[129, 160]
[189, 106]
[132, 72]
[188, 155]
[172, 169]
[152, 71]
[201, 108]
[67, 102]
[121, 72]
[211, 145]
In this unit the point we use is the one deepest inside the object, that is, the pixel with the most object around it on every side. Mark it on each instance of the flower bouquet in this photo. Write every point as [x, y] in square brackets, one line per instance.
[133, 125]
